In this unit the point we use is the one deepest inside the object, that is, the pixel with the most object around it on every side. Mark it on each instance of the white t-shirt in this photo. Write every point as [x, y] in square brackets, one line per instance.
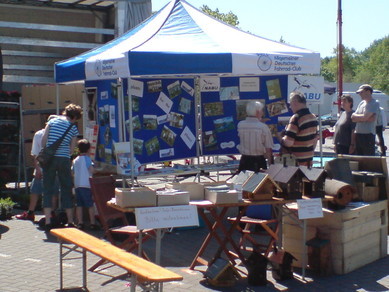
[81, 165]
[37, 142]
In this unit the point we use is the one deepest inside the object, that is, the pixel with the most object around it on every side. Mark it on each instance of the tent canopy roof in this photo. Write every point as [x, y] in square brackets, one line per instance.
[181, 40]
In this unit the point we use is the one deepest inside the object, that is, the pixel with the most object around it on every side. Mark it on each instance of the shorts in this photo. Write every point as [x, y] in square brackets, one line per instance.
[84, 197]
[37, 186]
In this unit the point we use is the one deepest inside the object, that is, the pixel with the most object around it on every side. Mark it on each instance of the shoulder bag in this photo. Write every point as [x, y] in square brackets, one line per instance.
[46, 155]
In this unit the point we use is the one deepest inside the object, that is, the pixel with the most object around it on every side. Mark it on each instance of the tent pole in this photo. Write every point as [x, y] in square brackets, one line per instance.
[131, 138]
[198, 116]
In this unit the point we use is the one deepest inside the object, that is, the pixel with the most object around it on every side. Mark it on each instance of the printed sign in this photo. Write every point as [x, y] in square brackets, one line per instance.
[166, 216]
[311, 86]
[308, 209]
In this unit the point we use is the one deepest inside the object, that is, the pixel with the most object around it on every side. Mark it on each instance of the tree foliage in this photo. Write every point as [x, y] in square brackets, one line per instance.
[229, 17]
[369, 66]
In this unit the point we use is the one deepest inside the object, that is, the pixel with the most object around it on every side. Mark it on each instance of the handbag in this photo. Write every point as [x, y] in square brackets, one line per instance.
[46, 155]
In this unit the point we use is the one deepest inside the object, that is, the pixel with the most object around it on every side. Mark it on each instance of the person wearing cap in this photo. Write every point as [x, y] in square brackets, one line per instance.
[365, 117]
[36, 188]
[301, 133]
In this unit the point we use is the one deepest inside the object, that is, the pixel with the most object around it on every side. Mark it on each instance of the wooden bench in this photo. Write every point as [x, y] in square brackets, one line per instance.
[143, 273]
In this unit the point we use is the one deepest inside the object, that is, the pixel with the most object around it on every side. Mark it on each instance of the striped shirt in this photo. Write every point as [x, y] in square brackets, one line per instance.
[302, 131]
[57, 128]
[255, 137]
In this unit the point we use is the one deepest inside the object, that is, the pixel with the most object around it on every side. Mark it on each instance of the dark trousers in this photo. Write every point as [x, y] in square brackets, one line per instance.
[253, 163]
[379, 132]
[342, 149]
[365, 144]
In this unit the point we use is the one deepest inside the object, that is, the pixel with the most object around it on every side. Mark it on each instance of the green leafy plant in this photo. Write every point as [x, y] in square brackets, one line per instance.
[6, 207]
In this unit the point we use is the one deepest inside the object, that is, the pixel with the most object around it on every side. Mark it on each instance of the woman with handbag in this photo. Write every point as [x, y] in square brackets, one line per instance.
[63, 128]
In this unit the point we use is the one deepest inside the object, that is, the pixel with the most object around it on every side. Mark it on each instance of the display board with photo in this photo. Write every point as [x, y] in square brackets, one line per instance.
[224, 108]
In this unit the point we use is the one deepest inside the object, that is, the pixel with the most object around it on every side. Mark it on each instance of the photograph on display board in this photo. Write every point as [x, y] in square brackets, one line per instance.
[135, 103]
[210, 140]
[241, 107]
[229, 93]
[154, 86]
[163, 119]
[213, 109]
[138, 146]
[101, 151]
[150, 122]
[114, 90]
[107, 136]
[152, 146]
[187, 88]
[273, 129]
[176, 120]
[91, 94]
[166, 153]
[168, 136]
[185, 105]
[108, 155]
[224, 124]
[103, 116]
[174, 89]
[136, 124]
[277, 108]
[273, 88]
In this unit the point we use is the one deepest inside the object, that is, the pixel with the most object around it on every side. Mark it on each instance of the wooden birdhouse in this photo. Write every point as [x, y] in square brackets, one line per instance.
[289, 178]
[313, 182]
[259, 186]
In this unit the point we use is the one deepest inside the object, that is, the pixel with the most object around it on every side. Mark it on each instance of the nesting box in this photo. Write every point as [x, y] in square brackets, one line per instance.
[342, 193]
[313, 181]
[259, 186]
[289, 179]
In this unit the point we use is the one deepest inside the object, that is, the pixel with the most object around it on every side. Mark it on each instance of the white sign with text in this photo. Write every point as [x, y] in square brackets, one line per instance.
[311, 86]
[166, 216]
[308, 209]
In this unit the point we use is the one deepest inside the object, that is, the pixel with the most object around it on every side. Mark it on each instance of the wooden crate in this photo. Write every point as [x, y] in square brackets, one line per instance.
[357, 236]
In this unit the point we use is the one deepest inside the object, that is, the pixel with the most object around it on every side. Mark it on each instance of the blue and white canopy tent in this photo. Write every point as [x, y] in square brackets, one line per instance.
[181, 41]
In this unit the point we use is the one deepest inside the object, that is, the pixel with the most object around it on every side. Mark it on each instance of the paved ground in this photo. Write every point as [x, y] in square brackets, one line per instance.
[29, 261]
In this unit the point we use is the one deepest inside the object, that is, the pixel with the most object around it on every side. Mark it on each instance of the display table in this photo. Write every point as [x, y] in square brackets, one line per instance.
[220, 232]
[357, 235]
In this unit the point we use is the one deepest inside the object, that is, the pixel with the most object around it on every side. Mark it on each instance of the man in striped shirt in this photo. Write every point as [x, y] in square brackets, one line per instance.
[301, 133]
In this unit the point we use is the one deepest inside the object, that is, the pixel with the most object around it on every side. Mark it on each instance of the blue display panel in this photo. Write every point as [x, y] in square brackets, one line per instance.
[223, 104]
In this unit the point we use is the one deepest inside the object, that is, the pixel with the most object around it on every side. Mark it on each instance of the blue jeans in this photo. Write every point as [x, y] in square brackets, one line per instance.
[60, 166]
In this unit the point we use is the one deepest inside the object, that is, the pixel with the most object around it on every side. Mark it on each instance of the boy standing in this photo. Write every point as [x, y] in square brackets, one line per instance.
[83, 169]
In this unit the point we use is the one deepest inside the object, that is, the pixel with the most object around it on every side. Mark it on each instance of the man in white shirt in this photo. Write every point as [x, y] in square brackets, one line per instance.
[256, 141]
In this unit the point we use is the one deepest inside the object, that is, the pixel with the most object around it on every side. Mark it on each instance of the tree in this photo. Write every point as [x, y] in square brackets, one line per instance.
[369, 66]
[229, 17]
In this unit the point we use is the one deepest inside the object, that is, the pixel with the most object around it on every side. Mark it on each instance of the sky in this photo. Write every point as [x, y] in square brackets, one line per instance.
[310, 24]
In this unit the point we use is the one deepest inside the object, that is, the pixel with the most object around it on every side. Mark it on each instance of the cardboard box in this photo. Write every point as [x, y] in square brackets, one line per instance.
[48, 97]
[358, 236]
[135, 197]
[221, 195]
[31, 99]
[31, 124]
[171, 197]
[67, 95]
[195, 190]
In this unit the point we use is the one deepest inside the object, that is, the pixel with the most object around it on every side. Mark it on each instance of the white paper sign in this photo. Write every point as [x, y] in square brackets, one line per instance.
[210, 84]
[249, 84]
[136, 88]
[164, 102]
[166, 216]
[311, 208]
[112, 116]
[189, 89]
[188, 137]
[311, 86]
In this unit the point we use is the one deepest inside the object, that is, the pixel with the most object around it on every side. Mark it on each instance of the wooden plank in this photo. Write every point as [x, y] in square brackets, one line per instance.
[128, 261]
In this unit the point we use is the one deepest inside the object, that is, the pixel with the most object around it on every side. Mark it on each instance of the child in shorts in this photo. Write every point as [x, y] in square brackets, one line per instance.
[82, 170]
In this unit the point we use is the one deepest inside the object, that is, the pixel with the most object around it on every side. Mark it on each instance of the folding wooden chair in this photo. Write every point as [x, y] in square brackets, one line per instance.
[114, 222]
[256, 233]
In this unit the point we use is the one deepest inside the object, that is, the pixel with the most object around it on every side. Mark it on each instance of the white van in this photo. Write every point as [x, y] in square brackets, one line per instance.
[382, 98]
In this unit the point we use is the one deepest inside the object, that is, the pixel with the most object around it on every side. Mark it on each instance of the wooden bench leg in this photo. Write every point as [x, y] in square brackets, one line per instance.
[84, 268]
[60, 266]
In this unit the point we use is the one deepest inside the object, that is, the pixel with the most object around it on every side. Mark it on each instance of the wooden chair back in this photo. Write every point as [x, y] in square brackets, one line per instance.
[103, 190]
